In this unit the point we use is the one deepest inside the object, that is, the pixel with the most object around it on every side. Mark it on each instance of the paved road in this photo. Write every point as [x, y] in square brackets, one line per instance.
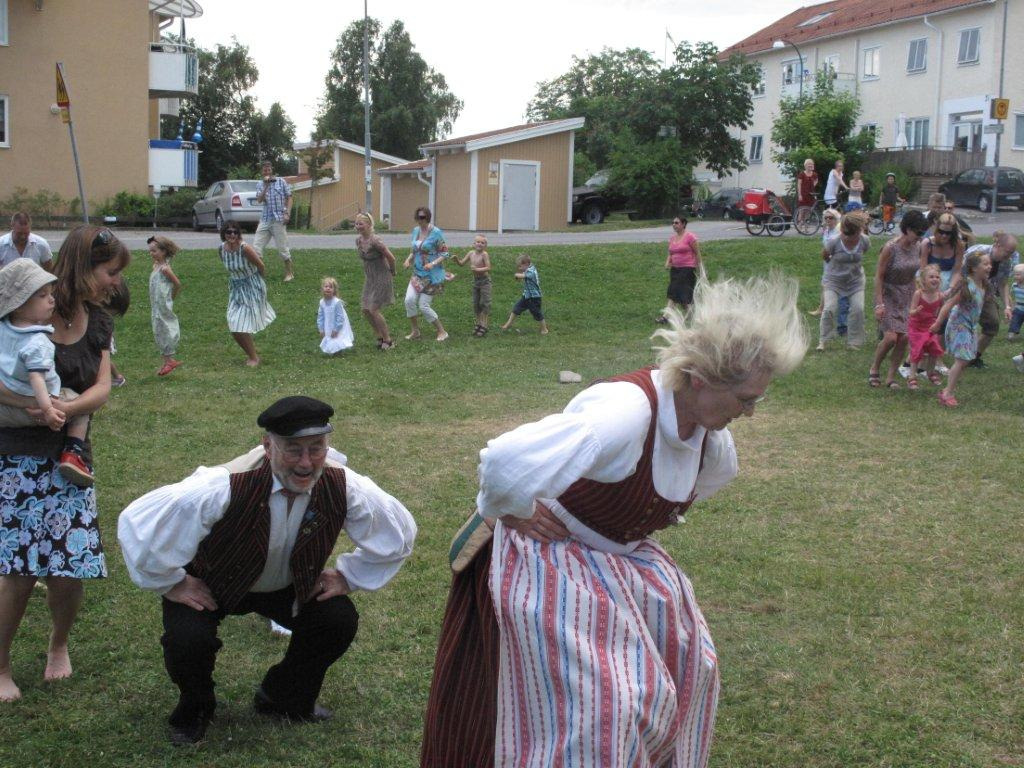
[982, 224]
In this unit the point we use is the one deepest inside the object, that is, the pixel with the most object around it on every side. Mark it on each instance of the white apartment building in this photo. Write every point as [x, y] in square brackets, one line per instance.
[925, 72]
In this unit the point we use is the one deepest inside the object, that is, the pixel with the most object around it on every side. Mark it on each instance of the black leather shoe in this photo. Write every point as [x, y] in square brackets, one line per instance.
[189, 733]
[264, 705]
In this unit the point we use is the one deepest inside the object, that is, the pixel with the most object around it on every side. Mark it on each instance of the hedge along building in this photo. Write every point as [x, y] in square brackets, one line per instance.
[342, 194]
[514, 178]
[403, 189]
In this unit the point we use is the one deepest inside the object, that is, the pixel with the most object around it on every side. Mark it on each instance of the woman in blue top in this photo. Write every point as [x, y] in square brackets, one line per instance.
[429, 252]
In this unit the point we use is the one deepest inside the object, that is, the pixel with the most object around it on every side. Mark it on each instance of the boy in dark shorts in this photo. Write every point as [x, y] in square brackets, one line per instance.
[530, 299]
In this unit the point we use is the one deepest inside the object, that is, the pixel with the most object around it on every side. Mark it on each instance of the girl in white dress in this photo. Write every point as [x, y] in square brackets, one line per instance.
[332, 320]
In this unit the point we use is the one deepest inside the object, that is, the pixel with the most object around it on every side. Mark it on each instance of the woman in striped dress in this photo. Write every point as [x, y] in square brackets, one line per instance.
[571, 637]
[249, 311]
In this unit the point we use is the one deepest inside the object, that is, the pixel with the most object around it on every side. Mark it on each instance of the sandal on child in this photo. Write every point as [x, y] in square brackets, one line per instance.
[947, 400]
[911, 383]
[892, 385]
[935, 378]
[874, 380]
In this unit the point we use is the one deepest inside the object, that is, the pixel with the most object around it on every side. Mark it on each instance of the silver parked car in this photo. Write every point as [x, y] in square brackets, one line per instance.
[224, 200]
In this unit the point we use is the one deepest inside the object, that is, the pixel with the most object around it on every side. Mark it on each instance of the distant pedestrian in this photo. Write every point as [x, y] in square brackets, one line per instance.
[164, 287]
[683, 264]
[427, 258]
[530, 299]
[332, 320]
[379, 285]
[21, 243]
[480, 262]
[834, 184]
[276, 196]
[888, 199]
[249, 311]
[856, 199]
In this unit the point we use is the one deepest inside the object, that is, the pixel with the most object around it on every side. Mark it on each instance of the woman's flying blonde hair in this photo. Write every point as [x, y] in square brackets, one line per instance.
[733, 329]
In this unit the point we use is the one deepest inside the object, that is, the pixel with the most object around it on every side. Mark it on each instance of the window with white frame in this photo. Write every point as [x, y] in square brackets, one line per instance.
[970, 44]
[917, 132]
[1018, 130]
[756, 146]
[872, 63]
[759, 86]
[3, 22]
[871, 128]
[5, 120]
[790, 70]
[917, 55]
[830, 64]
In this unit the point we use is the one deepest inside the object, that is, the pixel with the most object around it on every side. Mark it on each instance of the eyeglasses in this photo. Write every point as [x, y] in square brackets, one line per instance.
[232, 232]
[946, 232]
[421, 217]
[295, 452]
[750, 402]
[103, 237]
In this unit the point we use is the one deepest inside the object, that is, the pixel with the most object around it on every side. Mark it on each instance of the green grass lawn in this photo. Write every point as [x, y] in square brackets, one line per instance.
[862, 577]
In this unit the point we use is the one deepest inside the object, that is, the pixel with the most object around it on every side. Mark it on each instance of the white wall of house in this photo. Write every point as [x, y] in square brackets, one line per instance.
[943, 103]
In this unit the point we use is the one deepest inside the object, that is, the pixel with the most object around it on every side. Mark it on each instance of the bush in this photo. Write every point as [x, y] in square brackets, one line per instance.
[906, 182]
[178, 204]
[126, 205]
[42, 206]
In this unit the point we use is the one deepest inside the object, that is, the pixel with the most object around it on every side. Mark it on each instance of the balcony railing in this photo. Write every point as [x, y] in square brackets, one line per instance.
[927, 161]
[842, 82]
[173, 70]
[173, 163]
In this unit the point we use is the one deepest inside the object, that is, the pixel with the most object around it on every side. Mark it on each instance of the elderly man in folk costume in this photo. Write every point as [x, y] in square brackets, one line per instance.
[253, 536]
[571, 637]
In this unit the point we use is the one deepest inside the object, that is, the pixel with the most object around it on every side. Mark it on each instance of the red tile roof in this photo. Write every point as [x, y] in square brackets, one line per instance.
[844, 16]
[473, 137]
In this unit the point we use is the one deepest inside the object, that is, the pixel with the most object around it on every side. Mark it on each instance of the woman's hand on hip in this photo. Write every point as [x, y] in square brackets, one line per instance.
[542, 526]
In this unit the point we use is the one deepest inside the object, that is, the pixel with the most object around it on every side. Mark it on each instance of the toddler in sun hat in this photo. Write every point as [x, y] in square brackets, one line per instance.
[27, 362]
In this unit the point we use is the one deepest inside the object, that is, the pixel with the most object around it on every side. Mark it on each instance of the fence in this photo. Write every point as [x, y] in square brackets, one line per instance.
[927, 161]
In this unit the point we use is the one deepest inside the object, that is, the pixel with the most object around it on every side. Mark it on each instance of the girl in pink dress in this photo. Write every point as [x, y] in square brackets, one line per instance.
[924, 309]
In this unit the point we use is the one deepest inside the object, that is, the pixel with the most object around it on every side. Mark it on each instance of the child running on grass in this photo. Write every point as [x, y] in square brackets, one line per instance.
[480, 262]
[924, 309]
[530, 299]
[27, 362]
[164, 287]
[963, 309]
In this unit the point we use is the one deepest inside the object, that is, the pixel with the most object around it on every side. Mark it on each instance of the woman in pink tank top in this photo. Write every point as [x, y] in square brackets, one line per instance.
[683, 264]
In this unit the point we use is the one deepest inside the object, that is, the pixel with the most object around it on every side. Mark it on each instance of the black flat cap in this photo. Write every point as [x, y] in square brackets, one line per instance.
[297, 416]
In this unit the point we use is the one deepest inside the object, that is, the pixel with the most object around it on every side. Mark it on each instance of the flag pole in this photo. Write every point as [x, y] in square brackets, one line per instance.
[65, 113]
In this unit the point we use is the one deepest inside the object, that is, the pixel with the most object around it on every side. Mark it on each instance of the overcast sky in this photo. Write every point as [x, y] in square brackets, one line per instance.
[492, 54]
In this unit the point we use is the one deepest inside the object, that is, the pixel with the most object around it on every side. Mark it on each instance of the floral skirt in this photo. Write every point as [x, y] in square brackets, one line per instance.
[48, 526]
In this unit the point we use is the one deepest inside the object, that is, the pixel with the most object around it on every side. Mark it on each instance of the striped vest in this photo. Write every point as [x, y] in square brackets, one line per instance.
[233, 555]
[630, 509]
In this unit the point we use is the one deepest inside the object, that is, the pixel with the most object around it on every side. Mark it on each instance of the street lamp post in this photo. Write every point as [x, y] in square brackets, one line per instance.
[368, 170]
[778, 45]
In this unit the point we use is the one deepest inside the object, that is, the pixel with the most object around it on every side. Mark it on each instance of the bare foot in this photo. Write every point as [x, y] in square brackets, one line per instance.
[442, 336]
[544, 332]
[252, 362]
[58, 664]
[8, 690]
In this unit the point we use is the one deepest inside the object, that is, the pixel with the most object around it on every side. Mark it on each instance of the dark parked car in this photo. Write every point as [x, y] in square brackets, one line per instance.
[974, 187]
[590, 203]
[724, 204]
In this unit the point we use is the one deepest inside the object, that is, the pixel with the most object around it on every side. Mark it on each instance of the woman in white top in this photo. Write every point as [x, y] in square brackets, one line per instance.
[834, 184]
[572, 637]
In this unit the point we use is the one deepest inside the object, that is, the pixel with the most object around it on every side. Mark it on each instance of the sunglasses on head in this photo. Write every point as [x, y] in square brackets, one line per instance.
[103, 237]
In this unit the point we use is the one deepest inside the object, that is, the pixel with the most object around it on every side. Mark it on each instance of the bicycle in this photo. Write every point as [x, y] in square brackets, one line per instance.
[807, 220]
[876, 225]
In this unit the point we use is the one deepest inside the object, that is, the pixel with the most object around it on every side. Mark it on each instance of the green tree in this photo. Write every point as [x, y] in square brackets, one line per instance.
[275, 137]
[640, 114]
[235, 130]
[410, 102]
[821, 126]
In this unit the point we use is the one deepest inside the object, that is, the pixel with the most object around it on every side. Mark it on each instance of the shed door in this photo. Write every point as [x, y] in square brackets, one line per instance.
[519, 195]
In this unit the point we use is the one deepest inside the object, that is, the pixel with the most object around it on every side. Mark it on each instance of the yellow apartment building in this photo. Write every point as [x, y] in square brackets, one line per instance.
[120, 79]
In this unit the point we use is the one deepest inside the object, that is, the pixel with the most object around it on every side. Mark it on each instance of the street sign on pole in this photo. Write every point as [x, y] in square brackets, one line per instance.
[993, 128]
[1000, 109]
[64, 102]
